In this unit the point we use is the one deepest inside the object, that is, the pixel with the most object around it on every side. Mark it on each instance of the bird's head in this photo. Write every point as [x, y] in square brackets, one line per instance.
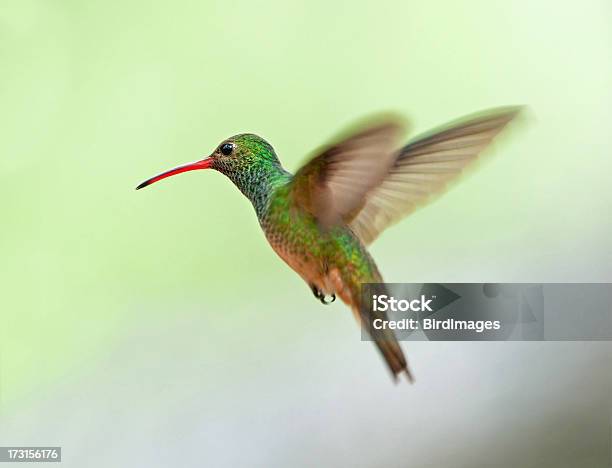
[243, 158]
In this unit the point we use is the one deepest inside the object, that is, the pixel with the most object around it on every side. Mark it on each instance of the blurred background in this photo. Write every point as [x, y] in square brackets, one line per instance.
[157, 328]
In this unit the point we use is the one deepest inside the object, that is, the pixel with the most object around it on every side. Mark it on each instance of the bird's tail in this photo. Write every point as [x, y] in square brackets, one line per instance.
[384, 338]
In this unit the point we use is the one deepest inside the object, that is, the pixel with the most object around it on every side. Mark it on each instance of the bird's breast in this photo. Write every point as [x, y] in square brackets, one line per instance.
[298, 241]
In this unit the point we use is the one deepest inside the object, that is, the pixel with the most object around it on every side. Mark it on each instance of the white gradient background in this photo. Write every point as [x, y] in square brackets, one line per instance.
[157, 328]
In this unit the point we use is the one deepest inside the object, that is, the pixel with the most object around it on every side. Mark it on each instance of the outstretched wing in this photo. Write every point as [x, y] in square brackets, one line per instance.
[332, 185]
[424, 167]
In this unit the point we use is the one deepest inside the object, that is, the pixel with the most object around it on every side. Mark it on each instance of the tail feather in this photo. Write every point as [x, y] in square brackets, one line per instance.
[386, 342]
[394, 357]
[385, 339]
[348, 289]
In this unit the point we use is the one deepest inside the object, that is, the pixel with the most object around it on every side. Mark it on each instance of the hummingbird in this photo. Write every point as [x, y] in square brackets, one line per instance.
[321, 220]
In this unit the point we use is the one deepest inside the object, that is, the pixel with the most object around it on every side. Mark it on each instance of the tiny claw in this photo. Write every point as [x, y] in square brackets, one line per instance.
[316, 291]
[320, 296]
[325, 302]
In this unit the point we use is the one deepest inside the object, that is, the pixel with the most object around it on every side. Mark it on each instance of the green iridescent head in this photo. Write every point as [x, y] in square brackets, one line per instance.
[247, 159]
[243, 153]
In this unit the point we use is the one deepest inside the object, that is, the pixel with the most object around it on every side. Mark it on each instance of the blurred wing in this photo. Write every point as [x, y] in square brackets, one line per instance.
[333, 184]
[424, 167]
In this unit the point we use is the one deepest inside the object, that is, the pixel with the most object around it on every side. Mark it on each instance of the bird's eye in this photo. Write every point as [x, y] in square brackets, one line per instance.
[227, 149]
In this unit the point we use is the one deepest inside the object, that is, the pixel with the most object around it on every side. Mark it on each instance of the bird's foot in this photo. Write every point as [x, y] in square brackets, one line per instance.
[332, 298]
[320, 296]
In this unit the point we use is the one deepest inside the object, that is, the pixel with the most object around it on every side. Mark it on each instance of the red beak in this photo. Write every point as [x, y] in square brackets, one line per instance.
[203, 164]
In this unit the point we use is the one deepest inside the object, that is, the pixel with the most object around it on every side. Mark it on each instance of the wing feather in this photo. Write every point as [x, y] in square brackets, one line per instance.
[333, 184]
[424, 167]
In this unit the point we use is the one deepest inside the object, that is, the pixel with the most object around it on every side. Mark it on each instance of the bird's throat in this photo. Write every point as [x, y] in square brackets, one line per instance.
[259, 183]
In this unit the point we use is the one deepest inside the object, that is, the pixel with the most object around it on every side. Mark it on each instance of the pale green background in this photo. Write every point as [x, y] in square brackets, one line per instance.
[161, 320]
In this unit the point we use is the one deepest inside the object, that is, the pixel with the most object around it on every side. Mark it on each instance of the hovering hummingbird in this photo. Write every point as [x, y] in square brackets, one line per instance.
[321, 219]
